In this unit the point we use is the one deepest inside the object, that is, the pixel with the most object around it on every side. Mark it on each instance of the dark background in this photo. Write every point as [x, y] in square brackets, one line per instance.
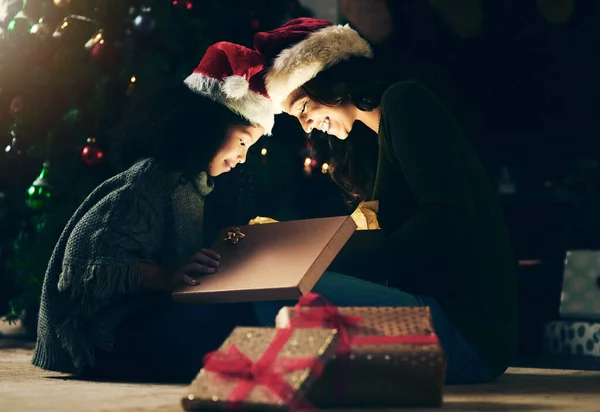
[525, 90]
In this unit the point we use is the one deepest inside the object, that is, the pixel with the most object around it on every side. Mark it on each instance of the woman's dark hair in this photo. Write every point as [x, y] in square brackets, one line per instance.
[352, 162]
[178, 127]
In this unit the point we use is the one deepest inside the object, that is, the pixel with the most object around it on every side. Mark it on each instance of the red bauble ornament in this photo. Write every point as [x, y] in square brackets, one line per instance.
[106, 56]
[91, 154]
[184, 4]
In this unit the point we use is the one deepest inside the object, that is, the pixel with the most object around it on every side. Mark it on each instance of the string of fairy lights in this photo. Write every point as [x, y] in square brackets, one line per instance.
[309, 164]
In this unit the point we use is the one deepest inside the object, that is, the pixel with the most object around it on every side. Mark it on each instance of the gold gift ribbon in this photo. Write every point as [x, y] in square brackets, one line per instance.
[365, 215]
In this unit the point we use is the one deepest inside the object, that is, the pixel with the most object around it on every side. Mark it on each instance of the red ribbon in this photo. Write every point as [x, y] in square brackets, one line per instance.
[268, 371]
[313, 311]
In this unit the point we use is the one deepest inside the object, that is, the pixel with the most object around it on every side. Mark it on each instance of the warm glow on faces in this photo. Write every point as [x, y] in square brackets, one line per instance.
[336, 120]
[234, 148]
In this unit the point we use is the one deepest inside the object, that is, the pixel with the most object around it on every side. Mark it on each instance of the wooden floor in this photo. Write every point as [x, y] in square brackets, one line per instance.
[24, 388]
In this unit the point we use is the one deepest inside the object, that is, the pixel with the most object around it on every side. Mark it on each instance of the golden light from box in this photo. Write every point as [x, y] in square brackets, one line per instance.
[260, 220]
[365, 215]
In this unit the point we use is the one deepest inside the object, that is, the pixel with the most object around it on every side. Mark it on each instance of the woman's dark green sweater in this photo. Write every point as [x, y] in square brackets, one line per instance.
[445, 232]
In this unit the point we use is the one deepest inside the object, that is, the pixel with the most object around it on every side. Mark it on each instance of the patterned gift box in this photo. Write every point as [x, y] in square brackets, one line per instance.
[387, 356]
[261, 369]
[580, 297]
[572, 338]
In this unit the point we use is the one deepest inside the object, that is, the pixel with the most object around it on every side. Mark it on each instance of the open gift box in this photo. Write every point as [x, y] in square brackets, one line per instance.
[270, 260]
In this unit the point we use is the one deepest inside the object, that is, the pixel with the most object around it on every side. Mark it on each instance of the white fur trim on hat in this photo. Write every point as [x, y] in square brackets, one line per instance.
[234, 92]
[303, 61]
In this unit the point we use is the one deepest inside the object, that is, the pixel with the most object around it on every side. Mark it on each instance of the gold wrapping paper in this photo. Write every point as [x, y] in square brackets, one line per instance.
[387, 375]
[209, 390]
[259, 220]
[365, 215]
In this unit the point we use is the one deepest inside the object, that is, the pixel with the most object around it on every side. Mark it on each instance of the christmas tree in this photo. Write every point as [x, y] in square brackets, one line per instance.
[67, 69]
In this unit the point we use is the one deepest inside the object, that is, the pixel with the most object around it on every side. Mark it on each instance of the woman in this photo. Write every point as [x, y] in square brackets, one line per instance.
[106, 309]
[446, 244]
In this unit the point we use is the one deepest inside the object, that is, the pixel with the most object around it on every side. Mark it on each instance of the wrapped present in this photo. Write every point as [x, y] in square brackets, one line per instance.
[572, 338]
[262, 369]
[365, 215]
[387, 356]
[580, 297]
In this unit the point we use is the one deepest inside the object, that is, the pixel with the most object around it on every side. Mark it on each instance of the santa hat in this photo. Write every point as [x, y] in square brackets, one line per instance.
[233, 75]
[302, 48]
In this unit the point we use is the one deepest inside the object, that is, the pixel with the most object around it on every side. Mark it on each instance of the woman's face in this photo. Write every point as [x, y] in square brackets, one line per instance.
[334, 120]
[234, 149]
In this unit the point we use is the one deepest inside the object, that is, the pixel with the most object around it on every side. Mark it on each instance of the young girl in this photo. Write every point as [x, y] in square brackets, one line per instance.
[106, 309]
[446, 244]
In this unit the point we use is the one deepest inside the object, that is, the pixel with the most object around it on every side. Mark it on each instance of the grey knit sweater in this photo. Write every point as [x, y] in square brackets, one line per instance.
[93, 280]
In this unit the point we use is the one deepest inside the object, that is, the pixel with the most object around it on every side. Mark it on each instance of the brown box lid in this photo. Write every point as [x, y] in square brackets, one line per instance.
[275, 261]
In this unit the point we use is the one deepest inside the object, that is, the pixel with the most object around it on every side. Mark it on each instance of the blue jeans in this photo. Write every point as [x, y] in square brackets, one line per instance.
[464, 364]
[169, 342]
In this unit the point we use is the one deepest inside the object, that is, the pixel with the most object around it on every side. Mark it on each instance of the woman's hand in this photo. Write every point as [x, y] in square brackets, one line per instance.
[202, 263]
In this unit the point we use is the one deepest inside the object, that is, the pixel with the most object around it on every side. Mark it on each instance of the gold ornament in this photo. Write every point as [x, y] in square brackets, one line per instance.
[234, 235]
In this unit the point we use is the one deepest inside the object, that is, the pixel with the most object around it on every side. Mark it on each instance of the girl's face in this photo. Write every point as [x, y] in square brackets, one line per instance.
[333, 120]
[234, 148]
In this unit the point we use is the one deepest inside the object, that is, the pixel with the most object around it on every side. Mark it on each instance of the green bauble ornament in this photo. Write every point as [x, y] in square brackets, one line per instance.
[20, 25]
[40, 191]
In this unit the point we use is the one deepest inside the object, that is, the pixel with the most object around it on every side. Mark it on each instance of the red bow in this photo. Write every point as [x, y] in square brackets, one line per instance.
[320, 313]
[268, 371]
[313, 310]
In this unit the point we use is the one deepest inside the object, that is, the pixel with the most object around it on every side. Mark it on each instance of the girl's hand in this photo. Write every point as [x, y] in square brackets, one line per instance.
[202, 263]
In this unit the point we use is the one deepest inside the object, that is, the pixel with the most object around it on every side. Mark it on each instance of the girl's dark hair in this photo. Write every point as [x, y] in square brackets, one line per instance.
[352, 162]
[178, 127]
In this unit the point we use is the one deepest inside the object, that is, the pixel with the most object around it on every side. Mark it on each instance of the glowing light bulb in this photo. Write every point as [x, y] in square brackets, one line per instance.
[133, 79]
[307, 161]
[263, 151]
[325, 168]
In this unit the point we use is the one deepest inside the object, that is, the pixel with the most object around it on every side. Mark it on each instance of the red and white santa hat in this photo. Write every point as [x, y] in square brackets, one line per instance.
[302, 48]
[233, 75]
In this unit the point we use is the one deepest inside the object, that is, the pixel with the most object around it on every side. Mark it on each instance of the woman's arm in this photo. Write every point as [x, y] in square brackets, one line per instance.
[427, 144]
